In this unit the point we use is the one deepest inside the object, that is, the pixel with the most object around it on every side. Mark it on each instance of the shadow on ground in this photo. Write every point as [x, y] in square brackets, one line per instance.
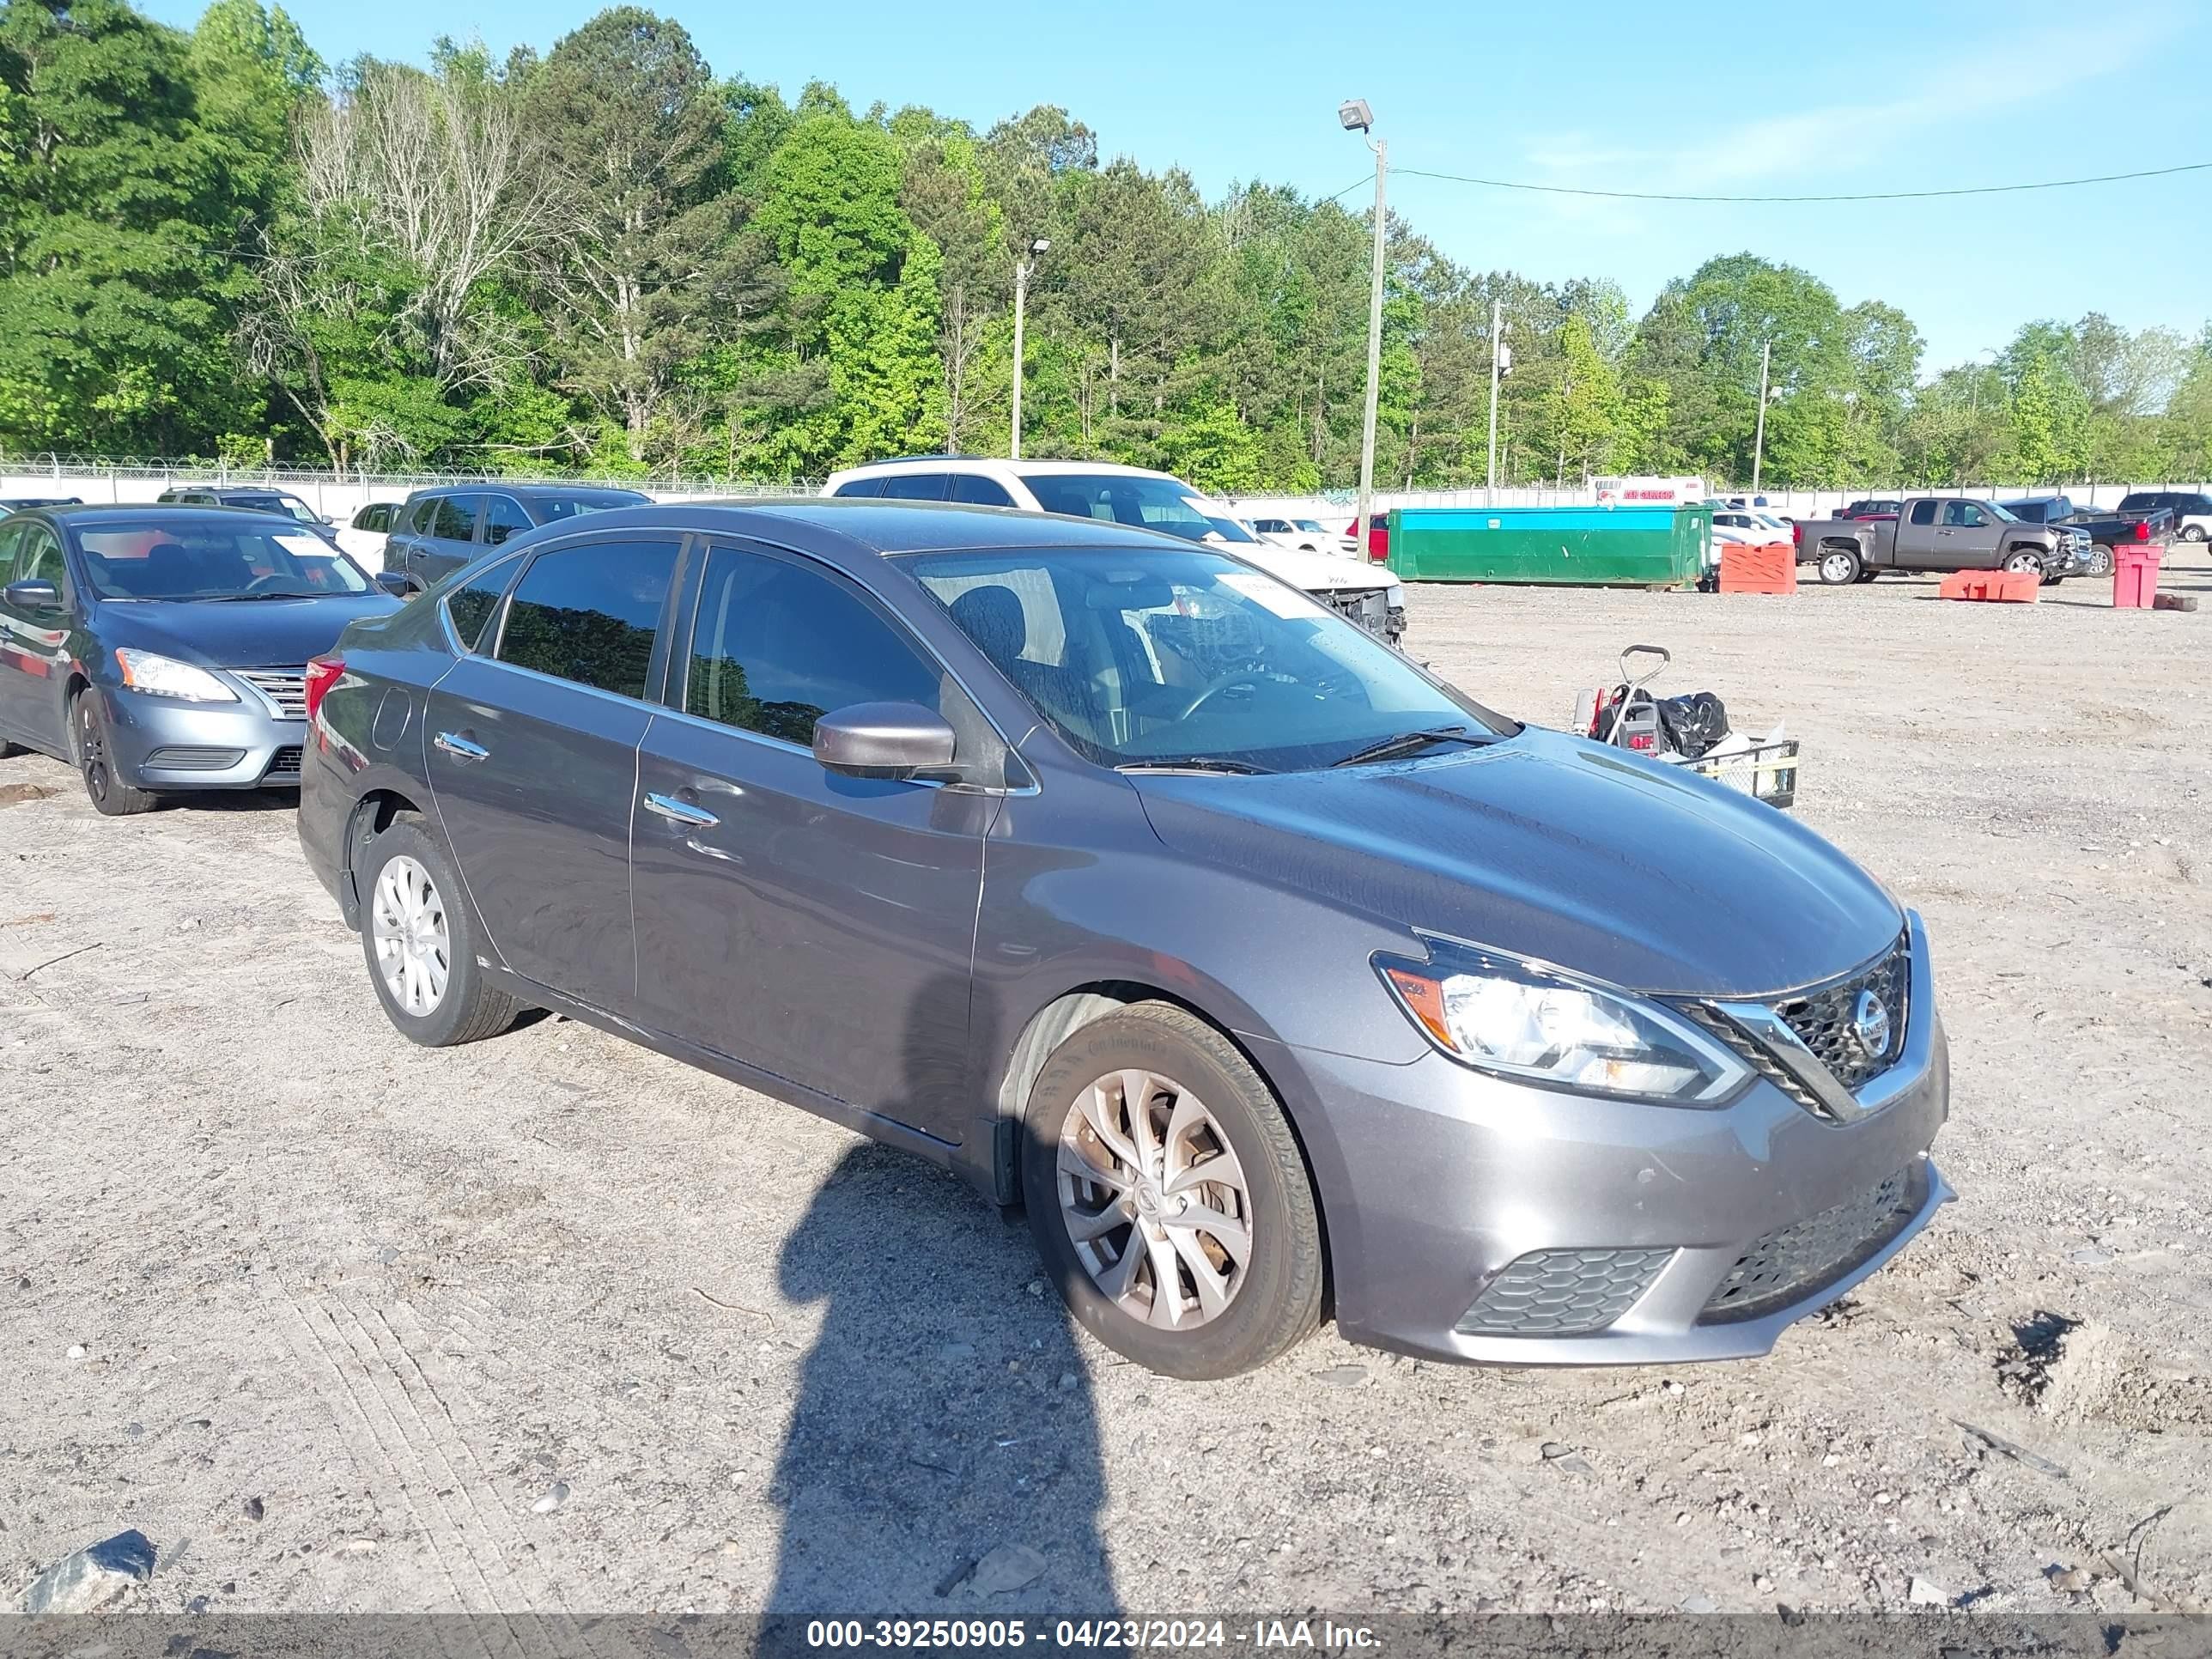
[943, 1459]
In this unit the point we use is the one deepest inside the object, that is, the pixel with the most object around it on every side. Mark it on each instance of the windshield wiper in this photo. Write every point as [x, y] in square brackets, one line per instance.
[240, 599]
[1196, 763]
[1407, 743]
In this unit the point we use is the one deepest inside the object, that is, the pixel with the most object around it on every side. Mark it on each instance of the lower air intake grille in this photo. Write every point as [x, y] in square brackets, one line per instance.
[186, 758]
[1563, 1292]
[283, 766]
[1793, 1262]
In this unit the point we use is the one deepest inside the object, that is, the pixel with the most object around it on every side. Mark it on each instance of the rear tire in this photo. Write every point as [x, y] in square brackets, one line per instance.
[111, 795]
[419, 941]
[1120, 1198]
[1840, 568]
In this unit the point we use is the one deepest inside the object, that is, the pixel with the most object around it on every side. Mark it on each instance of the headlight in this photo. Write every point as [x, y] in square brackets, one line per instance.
[1540, 1024]
[164, 676]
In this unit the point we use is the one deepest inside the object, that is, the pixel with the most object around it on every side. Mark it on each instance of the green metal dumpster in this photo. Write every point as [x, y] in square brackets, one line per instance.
[1621, 546]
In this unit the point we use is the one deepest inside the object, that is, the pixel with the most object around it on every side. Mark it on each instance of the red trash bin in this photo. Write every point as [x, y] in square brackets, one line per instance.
[2135, 576]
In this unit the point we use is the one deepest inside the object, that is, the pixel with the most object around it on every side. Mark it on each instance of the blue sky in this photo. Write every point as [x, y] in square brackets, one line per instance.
[1737, 98]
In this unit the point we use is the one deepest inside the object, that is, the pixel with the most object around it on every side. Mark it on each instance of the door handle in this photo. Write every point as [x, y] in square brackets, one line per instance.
[460, 748]
[681, 811]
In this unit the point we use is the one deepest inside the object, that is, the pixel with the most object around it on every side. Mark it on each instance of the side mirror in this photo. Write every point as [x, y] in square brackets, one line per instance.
[882, 741]
[34, 594]
[394, 582]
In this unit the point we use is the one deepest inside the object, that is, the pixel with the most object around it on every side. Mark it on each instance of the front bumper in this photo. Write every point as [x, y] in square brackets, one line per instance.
[1447, 1183]
[165, 743]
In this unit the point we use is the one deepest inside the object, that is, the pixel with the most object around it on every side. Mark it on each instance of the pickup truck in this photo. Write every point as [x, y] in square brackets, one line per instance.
[2105, 529]
[2192, 513]
[1942, 533]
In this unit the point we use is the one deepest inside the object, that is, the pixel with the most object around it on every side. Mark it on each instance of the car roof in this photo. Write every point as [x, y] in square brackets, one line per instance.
[527, 491]
[1024, 468]
[138, 512]
[870, 525]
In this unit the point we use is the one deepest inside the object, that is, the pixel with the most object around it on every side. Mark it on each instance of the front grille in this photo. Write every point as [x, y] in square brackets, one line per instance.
[1563, 1292]
[284, 688]
[178, 757]
[283, 766]
[1369, 609]
[1825, 1019]
[1793, 1262]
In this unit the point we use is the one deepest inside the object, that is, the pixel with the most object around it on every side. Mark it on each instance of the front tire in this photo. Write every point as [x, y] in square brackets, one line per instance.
[1169, 1197]
[113, 796]
[420, 942]
[2100, 560]
[2024, 564]
[1840, 568]
[2194, 532]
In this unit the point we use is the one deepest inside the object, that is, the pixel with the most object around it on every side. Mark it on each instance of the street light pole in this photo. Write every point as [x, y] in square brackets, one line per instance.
[1022, 269]
[1759, 443]
[1497, 363]
[1356, 117]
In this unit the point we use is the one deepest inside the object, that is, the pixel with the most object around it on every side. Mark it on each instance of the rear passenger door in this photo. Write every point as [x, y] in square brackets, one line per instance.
[1917, 535]
[533, 759]
[818, 927]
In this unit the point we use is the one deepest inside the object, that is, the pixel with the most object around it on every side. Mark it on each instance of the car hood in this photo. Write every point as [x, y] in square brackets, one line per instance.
[1317, 573]
[1550, 847]
[253, 633]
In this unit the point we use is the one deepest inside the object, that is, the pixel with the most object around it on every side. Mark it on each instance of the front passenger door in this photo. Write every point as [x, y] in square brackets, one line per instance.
[816, 925]
[532, 760]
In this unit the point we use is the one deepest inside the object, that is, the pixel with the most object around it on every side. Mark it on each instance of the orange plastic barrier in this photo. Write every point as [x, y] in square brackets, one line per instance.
[2003, 584]
[1769, 570]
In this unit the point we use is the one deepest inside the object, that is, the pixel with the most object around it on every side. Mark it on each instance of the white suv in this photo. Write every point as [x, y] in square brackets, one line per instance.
[1130, 495]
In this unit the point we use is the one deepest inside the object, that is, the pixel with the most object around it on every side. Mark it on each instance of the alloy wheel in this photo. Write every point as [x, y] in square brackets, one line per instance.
[1836, 568]
[2024, 564]
[1154, 1200]
[407, 921]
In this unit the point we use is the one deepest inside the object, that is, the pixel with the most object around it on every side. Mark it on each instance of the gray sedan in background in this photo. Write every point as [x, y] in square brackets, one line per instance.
[158, 648]
[1274, 978]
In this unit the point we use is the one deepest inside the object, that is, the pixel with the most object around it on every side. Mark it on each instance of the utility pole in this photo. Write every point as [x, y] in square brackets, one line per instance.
[1499, 360]
[1759, 443]
[1022, 269]
[1356, 117]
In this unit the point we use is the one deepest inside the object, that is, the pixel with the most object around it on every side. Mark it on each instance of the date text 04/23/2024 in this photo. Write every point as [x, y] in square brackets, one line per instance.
[1089, 1633]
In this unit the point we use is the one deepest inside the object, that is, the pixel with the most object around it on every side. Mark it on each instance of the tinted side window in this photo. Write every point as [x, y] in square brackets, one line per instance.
[420, 514]
[455, 518]
[861, 487]
[503, 517]
[1923, 512]
[589, 614]
[40, 557]
[915, 487]
[777, 645]
[979, 491]
[11, 544]
[473, 605]
[1962, 515]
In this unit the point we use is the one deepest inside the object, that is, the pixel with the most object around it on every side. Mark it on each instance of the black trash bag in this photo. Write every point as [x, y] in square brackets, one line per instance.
[1694, 723]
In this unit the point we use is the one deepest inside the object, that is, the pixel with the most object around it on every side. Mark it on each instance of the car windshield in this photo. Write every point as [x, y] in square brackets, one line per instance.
[181, 559]
[1153, 656]
[1150, 503]
[548, 509]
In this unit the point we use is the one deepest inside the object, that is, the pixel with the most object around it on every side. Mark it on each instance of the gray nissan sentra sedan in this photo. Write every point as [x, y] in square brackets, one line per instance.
[162, 648]
[1275, 978]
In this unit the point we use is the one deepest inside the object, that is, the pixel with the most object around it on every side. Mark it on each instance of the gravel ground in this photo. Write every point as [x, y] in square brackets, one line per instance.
[552, 1324]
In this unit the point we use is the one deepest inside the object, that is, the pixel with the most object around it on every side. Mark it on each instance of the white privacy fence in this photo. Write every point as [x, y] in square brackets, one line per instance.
[339, 496]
